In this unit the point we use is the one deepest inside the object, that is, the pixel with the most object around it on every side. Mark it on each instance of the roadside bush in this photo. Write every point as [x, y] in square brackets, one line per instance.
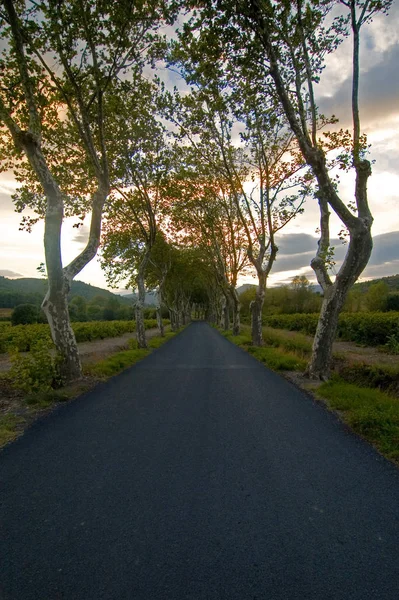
[36, 372]
[278, 359]
[150, 313]
[306, 323]
[98, 330]
[372, 413]
[369, 329]
[393, 343]
[382, 377]
[24, 314]
[23, 337]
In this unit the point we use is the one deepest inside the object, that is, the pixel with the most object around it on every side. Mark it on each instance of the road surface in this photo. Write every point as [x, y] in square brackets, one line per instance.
[197, 474]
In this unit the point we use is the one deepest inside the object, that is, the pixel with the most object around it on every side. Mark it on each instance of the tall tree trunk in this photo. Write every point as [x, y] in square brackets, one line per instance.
[335, 295]
[256, 307]
[172, 319]
[226, 315]
[55, 304]
[140, 327]
[159, 313]
[319, 366]
[55, 307]
[160, 322]
[236, 306]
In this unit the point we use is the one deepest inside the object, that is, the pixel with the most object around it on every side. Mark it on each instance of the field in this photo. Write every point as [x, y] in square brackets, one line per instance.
[23, 337]
[369, 329]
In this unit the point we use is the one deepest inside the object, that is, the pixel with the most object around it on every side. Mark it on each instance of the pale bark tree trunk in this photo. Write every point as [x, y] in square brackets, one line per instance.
[335, 294]
[174, 319]
[55, 303]
[359, 226]
[256, 307]
[55, 307]
[160, 322]
[59, 277]
[320, 363]
[140, 326]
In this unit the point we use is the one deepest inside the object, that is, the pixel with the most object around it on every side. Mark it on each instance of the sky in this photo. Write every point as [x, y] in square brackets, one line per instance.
[21, 252]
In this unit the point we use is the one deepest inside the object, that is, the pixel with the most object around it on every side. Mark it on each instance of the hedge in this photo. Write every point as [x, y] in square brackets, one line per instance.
[21, 337]
[369, 329]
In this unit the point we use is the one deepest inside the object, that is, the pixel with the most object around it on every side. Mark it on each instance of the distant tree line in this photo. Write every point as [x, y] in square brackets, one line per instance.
[299, 297]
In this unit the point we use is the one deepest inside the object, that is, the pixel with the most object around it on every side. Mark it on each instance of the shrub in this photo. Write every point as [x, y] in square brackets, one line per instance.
[372, 413]
[370, 329]
[277, 359]
[393, 343]
[36, 372]
[22, 337]
[306, 323]
[383, 377]
[24, 314]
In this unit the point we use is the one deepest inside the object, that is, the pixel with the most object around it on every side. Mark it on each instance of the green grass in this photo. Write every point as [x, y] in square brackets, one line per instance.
[274, 357]
[126, 358]
[9, 427]
[277, 359]
[297, 343]
[371, 413]
[244, 339]
[115, 364]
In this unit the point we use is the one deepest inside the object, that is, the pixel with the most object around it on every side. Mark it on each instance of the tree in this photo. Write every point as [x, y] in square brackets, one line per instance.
[206, 216]
[78, 309]
[290, 41]
[265, 159]
[376, 298]
[190, 280]
[24, 314]
[143, 164]
[61, 63]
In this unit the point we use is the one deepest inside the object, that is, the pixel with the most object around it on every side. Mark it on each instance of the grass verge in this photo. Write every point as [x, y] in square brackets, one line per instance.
[274, 356]
[126, 358]
[371, 413]
[9, 427]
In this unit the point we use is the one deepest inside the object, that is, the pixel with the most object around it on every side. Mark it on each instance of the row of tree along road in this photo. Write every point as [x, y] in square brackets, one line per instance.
[185, 191]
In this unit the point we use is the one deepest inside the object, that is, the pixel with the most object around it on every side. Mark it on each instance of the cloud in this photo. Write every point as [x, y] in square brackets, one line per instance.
[82, 235]
[385, 249]
[296, 243]
[9, 274]
[296, 250]
[378, 92]
[6, 204]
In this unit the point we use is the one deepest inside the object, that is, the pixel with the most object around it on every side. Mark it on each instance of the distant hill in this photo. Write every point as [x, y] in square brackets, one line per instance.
[392, 282]
[32, 290]
[244, 287]
[151, 298]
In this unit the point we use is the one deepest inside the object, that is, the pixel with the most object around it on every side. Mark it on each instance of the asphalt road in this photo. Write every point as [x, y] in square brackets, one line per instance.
[196, 475]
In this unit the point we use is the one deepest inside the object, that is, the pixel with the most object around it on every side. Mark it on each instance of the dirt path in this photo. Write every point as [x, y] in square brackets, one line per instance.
[92, 351]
